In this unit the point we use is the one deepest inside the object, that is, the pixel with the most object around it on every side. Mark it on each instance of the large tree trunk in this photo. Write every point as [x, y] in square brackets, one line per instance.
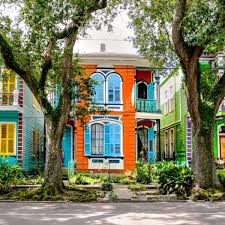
[203, 160]
[53, 172]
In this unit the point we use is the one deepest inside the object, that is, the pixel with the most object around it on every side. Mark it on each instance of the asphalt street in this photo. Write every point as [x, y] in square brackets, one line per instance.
[172, 213]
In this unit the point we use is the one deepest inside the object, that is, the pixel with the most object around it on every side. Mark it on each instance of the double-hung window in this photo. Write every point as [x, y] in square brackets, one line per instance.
[7, 138]
[35, 143]
[8, 87]
[97, 139]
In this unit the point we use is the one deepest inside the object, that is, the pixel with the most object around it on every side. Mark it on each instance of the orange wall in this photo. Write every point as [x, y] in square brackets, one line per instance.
[128, 118]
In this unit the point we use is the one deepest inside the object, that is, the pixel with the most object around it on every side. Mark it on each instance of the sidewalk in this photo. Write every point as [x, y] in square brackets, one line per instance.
[151, 194]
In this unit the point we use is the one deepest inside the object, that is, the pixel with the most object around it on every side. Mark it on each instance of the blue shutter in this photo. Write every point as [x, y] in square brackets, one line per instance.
[150, 91]
[98, 97]
[107, 139]
[87, 140]
[151, 152]
[114, 88]
[136, 87]
[117, 141]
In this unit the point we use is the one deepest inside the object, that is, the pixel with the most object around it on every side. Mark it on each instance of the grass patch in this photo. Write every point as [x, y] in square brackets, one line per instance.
[70, 193]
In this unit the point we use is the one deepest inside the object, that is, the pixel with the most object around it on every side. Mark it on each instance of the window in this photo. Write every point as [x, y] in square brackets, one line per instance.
[98, 97]
[166, 104]
[102, 138]
[171, 101]
[142, 91]
[35, 143]
[114, 88]
[7, 139]
[8, 87]
[171, 143]
[35, 103]
[166, 144]
[97, 139]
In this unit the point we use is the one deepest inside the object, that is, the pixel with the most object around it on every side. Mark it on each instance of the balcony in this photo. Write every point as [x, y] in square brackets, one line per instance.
[145, 105]
[10, 100]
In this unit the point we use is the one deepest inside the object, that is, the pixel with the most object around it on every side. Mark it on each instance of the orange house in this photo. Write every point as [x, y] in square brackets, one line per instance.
[128, 132]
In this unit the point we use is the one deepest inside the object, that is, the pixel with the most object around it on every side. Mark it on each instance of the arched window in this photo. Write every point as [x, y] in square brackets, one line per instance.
[97, 139]
[98, 97]
[103, 138]
[114, 88]
[142, 91]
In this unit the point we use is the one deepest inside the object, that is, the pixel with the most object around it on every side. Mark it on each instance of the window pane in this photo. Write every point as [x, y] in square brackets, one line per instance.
[98, 97]
[4, 130]
[114, 83]
[3, 147]
[117, 150]
[110, 95]
[97, 139]
[11, 146]
[117, 95]
[11, 129]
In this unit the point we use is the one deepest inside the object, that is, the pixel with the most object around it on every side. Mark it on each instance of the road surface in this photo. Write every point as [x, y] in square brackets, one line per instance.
[203, 213]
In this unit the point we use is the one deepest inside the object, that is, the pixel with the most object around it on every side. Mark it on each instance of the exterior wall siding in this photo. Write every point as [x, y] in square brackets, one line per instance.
[176, 119]
[32, 119]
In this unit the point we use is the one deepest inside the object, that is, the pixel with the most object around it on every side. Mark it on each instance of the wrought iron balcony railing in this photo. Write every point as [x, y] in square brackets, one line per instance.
[9, 98]
[145, 105]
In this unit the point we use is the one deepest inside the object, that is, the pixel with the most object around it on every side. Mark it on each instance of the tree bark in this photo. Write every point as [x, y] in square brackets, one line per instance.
[203, 159]
[53, 171]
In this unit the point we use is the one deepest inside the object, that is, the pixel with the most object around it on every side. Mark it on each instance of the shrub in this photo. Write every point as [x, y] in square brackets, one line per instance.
[221, 177]
[113, 196]
[107, 186]
[175, 179]
[137, 187]
[143, 173]
[83, 178]
[8, 173]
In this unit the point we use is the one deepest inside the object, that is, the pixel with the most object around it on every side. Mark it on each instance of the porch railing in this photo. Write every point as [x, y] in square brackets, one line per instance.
[9, 98]
[145, 105]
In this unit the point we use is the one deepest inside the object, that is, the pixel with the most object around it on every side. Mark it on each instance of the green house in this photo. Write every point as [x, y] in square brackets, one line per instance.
[175, 131]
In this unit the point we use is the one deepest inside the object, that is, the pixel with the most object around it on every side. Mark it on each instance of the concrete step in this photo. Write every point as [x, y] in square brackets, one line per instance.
[148, 192]
[151, 186]
[162, 198]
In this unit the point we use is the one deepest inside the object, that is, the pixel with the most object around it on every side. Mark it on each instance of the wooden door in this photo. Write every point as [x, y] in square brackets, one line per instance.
[222, 147]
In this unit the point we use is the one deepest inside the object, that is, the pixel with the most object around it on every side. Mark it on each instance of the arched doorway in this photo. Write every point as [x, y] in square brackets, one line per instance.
[142, 90]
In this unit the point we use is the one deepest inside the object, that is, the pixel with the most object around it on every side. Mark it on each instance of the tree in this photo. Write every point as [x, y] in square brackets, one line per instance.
[38, 45]
[184, 30]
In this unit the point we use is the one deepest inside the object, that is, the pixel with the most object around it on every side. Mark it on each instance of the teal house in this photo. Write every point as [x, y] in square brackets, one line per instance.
[21, 123]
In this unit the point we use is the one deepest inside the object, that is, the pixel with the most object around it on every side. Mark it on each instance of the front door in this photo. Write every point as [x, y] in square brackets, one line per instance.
[67, 146]
[222, 147]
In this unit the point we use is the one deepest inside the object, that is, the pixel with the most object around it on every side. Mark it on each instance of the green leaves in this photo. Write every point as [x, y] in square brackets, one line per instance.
[174, 178]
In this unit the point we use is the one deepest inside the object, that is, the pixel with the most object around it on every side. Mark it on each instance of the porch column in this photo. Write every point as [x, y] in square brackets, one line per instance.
[157, 81]
[159, 141]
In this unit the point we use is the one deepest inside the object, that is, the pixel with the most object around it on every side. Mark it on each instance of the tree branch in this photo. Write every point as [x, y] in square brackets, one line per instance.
[97, 4]
[178, 40]
[47, 63]
[30, 80]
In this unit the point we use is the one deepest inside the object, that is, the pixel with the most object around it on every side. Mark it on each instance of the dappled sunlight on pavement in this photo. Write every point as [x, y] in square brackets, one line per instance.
[112, 214]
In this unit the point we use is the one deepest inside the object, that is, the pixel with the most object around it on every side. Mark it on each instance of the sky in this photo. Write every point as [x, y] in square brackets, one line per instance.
[116, 41]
